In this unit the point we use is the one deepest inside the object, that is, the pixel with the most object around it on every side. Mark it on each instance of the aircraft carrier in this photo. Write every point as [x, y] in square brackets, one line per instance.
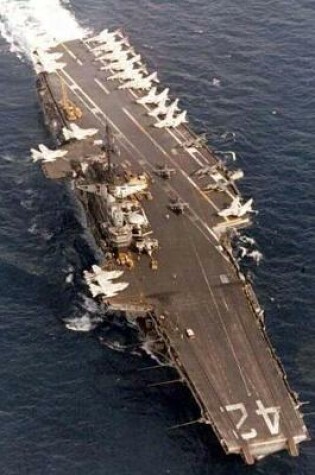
[162, 207]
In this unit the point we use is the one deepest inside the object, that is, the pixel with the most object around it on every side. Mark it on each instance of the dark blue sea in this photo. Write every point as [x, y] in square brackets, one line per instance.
[69, 403]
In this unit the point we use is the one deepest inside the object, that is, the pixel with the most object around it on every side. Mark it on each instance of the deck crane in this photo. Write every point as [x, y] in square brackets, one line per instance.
[71, 110]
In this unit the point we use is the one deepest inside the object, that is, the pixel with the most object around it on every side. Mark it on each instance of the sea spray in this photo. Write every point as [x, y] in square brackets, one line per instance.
[30, 24]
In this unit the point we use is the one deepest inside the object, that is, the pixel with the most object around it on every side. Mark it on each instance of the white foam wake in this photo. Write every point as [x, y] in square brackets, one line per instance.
[30, 24]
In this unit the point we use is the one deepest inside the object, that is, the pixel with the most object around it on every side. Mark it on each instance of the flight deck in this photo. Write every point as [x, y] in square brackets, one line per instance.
[199, 302]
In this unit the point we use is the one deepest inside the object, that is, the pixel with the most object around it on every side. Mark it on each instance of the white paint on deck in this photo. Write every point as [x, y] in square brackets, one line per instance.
[98, 82]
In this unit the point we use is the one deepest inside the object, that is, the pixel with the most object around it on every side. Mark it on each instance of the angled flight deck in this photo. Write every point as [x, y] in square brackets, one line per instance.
[201, 304]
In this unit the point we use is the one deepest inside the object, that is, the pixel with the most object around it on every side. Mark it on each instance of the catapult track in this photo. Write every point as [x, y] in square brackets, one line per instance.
[229, 363]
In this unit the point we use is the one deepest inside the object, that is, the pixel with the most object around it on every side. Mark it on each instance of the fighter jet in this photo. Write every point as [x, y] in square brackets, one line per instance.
[144, 83]
[125, 63]
[111, 46]
[119, 287]
[219, 186]
[178, 206]
[236, 209]
[172, 108]
[203, 171]
[100, 282]
[119, 53]
[172, 121]
[161, 109]
[164, 109]
[112, 57]
[111, 40]
[103, 36]
[77, 133]
[47, 155]
[106, 284]
[165, 172]
[196, 142]
[130, 73]
[99, 273]
[95, 289]
[246, 208]
[153, 97]
[107, 288]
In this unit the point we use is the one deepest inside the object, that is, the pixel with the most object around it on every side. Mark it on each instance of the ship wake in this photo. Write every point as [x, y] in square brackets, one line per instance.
[30, 24]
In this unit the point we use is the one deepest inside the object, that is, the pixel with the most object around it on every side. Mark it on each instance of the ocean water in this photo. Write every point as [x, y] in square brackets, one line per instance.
[76, 403]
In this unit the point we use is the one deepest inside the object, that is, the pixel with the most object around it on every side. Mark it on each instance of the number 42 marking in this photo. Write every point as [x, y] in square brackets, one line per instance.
[270, 415]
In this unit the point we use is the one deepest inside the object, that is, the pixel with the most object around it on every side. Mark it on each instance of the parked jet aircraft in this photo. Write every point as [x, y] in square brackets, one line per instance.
[130, 73]
[99, 290]
[110, 40]
[95, 289]
[144, 83]
[153, 98]
[196, 141]
[46, 154]
[206, 170]
[165, 172]
[123, 63]
[103, 36]
[107, 289]
[118, 53]
[110, 287]
[246, 208]
[99, 273]
[172, 121]
[219, 186]
[161, 109]
[111, 46]
[236, 209]
[115, 56]
[112, 55]
[77, 133]
[172, 108]
[178, 206]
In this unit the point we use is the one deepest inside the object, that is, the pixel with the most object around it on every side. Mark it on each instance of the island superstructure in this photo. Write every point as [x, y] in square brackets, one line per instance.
[162, 206]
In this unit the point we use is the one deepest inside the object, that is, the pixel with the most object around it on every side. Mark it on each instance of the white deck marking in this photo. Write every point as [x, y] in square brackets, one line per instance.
[134, 120]
[199, 260]
[225, 303]
[200, 191]
[70, 53]
[98, 82]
